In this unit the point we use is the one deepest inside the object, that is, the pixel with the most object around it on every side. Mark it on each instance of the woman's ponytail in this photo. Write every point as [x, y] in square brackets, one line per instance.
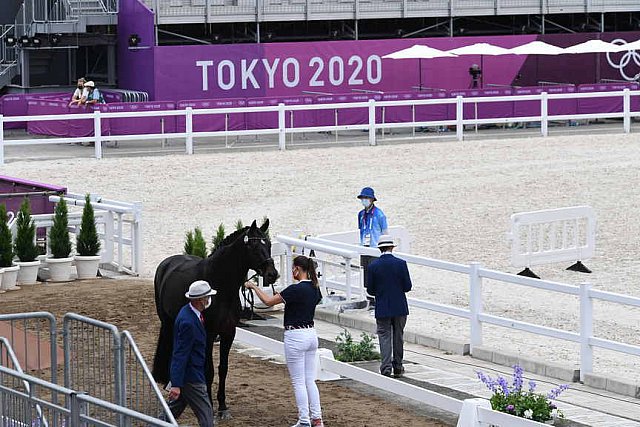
[308, 265]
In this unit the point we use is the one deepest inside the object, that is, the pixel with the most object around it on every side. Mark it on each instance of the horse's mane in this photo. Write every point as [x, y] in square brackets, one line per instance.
[230, 239]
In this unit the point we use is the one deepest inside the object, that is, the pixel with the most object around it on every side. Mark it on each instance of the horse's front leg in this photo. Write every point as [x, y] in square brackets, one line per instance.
[208, 366]
[225, 348]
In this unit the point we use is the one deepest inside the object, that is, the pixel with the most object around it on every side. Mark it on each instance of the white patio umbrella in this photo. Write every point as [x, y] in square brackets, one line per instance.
[595, 46]
[419, 52]
[536, 48]
[631, 46]
[480, 49]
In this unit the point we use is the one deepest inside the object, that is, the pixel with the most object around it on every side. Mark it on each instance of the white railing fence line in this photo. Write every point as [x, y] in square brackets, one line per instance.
[331, 368]
[474, 312]
[119, 227]
[282, 130]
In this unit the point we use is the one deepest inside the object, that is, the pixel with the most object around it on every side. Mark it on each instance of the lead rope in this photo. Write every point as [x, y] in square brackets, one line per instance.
[248, 297]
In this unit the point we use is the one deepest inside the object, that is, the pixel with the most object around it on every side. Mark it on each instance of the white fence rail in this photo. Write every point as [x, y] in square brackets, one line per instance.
[474, 312]
[119, 227]
[282, 130]
[331, 367]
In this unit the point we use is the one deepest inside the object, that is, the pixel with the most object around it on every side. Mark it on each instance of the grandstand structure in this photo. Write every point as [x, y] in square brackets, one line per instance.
[52, 42]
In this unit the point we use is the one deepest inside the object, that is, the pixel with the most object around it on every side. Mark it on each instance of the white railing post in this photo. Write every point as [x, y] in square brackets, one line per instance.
[586, 330]
[282, 123]
[544, 114]
[1, 140]
[475, 305]
[288, 251]
[189, 130]
[372, 122]
[97, 134]
[347, 267]
[137, 238]
[626, 110]
[459, 118]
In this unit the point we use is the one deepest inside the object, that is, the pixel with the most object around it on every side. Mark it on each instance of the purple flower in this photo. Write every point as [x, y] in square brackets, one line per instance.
[553, 394]
[517, 378]
[510, 408]
[504, 385]
[488, 381]
[532, 386]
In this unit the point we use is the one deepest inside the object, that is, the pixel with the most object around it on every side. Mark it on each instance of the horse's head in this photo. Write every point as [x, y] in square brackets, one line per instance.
[258, 252]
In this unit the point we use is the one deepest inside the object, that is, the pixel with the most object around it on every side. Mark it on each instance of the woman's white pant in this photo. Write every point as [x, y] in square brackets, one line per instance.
[300, 347]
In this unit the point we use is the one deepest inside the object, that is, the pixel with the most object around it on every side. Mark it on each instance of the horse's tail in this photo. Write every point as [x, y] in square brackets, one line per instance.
[164, 350]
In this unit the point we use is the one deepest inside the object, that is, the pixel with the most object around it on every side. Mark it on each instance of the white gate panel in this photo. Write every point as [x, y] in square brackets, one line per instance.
[553, 235]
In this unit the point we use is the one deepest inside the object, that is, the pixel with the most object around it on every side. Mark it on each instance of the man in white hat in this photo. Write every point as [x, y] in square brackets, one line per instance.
[93, 95]
[388, 281]
[188, 385]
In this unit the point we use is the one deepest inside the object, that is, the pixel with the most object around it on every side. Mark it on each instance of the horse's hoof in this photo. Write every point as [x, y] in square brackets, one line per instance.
[224, 415]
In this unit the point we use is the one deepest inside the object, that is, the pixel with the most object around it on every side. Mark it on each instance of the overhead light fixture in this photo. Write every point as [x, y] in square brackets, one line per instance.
[10, 40]
[134, 40]
[23, 40]
[35, 42]
[55, 39]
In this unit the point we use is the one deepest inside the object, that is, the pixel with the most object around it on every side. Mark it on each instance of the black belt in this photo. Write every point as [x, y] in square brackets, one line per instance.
[294, 327]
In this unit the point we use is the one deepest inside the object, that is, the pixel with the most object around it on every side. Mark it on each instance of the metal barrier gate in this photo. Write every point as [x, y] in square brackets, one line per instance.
[102, 364]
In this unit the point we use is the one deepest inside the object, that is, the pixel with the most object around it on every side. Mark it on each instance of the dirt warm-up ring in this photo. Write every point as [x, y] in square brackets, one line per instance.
[259, 392]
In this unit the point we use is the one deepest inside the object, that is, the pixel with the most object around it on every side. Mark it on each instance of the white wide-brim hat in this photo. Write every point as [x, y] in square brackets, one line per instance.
[89, 84]
[386, 241]
[199, 289]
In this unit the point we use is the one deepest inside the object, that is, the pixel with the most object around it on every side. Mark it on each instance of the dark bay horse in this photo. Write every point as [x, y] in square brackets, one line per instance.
[226, 271]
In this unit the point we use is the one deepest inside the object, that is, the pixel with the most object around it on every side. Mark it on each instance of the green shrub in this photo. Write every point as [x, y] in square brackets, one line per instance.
[59, 235]
[195, 244]
[25, 247]
[6, 243]
[239, 225]
[88, 242]
[217, 238]
[350, 351]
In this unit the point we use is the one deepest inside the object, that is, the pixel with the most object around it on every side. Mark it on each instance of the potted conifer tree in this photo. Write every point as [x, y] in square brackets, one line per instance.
[25, 246]
[10, 271]
[87, 244]
[60, 245]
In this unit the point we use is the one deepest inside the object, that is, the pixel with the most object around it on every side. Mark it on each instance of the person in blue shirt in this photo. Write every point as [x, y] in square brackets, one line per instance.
[188, 385]
[388, 281]
[300, 338]
[372, 223]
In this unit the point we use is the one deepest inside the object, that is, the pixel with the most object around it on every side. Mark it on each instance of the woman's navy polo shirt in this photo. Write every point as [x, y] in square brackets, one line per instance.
[300, 302]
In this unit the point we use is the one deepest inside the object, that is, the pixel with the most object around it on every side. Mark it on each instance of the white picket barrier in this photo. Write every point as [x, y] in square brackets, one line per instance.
[553, 235]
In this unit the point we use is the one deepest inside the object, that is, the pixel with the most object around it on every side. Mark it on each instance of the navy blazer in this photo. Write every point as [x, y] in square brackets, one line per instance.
[189, 343]
[388, 279]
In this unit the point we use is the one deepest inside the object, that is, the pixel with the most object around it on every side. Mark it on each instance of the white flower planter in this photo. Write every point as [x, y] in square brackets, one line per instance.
[2, 291]
[87, 266]
[28, 274]
[10, 277]
[59, 269]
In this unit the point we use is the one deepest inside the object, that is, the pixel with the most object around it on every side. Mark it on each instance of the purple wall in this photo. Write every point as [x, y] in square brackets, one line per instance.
[135, 66]
[39, 203]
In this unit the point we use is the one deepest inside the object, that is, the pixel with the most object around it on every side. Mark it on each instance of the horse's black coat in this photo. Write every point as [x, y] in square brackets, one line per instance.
[225, 270]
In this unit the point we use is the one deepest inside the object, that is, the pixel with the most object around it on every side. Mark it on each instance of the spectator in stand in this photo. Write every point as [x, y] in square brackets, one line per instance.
[93, 95]
[80, 93]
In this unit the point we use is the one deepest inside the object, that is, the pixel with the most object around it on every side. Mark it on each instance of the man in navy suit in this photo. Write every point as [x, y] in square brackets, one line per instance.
[388, 280]
[188, 385]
